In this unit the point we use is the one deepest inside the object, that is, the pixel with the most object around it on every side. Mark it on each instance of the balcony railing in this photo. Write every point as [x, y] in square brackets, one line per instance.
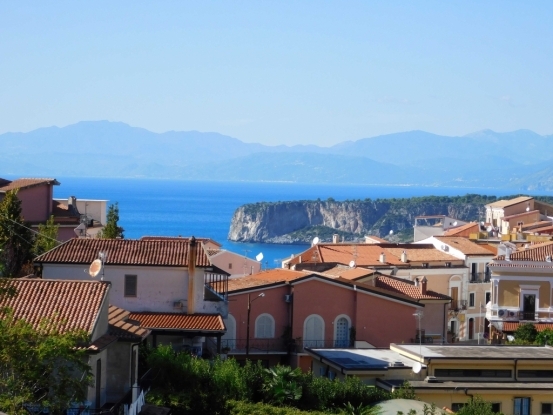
[527, 315]
[457, 305]
[480, 277]
[217, 284]
[238, 346]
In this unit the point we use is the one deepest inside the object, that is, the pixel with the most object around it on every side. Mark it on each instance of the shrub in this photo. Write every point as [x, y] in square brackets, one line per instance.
[545, 337]
[526, 332]
[247, 408]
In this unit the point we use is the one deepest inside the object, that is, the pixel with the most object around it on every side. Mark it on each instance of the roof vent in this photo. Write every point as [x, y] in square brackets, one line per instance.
[397, 364]
[431, 379]
[404, 256]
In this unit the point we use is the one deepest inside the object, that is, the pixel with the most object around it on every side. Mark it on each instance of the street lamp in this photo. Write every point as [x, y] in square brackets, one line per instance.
[419, 315]
[250, 301]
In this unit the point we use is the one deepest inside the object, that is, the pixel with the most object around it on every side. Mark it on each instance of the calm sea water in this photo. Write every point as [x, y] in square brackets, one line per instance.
[172, 208]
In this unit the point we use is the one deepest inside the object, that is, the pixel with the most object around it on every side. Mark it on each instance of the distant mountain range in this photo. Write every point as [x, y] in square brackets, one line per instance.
[517, 160]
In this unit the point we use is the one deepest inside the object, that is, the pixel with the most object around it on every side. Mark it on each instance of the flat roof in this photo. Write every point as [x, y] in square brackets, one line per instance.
[476, 352]
[363, 359]
[421, 384]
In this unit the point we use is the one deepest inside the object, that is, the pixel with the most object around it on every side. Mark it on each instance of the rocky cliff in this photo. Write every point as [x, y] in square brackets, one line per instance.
[300, 221]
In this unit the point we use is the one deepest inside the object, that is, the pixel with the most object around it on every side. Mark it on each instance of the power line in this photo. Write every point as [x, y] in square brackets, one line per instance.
[32, 230]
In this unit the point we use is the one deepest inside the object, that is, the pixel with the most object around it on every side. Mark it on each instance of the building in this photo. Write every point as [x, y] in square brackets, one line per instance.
[472, 293]
[291, 310]
[521, 288]
[431, 225]
[38, 205]
[112, 352]
[169, 285]
[444, 272]
[516, 380]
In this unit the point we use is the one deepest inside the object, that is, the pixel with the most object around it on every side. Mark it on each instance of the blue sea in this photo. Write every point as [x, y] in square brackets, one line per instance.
[172, 208]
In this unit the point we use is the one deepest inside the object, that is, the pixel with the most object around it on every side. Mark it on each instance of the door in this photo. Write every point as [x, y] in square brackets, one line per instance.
[342, 333]
[522, 406]
[454, 298]
[471, 328]
[529, 307]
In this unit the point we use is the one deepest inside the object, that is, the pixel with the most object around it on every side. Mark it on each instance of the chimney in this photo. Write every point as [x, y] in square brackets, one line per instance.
[335, 238]
[416, 282]
[382, 257]
[72, 201]
[191, 275]
[423, 285]
[404, 256]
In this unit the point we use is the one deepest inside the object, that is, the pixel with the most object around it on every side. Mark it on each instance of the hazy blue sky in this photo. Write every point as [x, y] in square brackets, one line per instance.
[279, 72]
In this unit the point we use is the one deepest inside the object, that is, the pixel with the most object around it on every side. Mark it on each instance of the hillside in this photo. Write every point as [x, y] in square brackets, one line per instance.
[301, 221]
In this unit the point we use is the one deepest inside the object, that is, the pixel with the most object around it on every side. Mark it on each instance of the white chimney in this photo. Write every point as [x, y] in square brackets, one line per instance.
[335, 238]
[404, 256]
[382, 257]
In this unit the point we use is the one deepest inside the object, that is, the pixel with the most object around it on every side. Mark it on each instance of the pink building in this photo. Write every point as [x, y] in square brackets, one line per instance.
[294, 310]
[38, 204]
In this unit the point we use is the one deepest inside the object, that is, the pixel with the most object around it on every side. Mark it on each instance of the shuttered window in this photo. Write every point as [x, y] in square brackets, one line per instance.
[130, 286]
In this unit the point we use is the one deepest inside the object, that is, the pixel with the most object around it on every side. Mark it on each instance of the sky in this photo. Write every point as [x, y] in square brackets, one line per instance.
[279, 72]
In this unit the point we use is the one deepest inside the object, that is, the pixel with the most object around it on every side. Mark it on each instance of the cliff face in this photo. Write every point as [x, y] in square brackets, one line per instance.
[289, 222]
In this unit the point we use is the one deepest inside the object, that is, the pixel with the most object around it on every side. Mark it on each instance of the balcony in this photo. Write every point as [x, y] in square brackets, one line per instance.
[480, 277]
[257, 346]
[458, 305]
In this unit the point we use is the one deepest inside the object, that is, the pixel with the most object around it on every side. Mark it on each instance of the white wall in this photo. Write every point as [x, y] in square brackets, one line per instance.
[157, 287]
[236, 265]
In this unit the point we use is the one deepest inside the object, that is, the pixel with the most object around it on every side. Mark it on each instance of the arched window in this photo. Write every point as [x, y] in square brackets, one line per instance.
[229, 338]
[341, 331]
[314, 331]
[264, 327]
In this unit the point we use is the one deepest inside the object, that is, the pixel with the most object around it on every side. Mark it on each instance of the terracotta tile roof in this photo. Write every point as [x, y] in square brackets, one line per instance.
[424, 255]
[407, 288]
[512, 326]
[74, 305]
[178, 321]
[491, 248]
[211, 252]
[22, 183]
[543, 229]
[348, 273]
[122, 327]
[504, 203]
[537, 253]
[462, 229]
[520, 215]
[125, 252]
[463, 245]
[535, 225]
[267, 277]
[178, 238]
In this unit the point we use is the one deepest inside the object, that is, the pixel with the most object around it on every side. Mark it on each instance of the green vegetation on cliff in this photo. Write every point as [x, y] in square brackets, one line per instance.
[300, 221]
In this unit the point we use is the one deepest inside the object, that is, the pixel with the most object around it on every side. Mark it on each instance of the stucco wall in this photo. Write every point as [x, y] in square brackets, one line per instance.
[36, 202]
[119, 374]
[236, 265]
[92, 388]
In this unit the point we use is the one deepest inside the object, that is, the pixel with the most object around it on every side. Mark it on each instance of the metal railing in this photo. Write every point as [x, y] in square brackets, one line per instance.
[457, 305]
[256, 345]
[480, 277]
[527, 315]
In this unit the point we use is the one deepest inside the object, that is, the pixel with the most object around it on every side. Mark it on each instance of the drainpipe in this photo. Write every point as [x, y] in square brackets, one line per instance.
[468, 394]
[444, 336]
[191, 275]
[516, 365]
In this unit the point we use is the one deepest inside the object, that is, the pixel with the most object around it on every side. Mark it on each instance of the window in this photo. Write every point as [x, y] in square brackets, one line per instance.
[535, 373]
[230, 265]
[341, 328]
[488, 297]
[264, 327]
[448, 264]
[472, 373]
[130, 285]
[496, 407]
[457, 406]
[313, 331]
[522, 406]
[425, 264]
[546, 408]
[471, 300]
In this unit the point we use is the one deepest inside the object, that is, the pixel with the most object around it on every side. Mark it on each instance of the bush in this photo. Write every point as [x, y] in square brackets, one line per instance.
[545, 337]
[526, 333]
[247, 408]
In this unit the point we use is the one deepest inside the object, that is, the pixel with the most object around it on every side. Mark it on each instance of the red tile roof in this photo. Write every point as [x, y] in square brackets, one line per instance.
[532, 212]
[466, 228]
[125, 252]
[124, 328]
[267, 277]
[512, 326]
[74, 305]
[23, 183]
[537, 253]
[463, 245]
[407, 287]
[178, 321]
[178, 238]
[347, 272]
[503, 203]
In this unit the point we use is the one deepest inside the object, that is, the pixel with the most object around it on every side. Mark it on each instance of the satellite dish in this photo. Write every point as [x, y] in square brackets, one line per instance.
[392, 232]
[259, 257]
[417, 367]
[352, 264]
[80, 230]
[455, 223]
[316, 240]
[489, 228]
[95, 268]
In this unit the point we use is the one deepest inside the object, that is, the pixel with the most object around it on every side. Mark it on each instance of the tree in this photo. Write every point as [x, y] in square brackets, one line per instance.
[476, 406]
[46, 238]
[545, 337]
[112, 229]
[16, 240]
[40, 367]
[526, 333]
